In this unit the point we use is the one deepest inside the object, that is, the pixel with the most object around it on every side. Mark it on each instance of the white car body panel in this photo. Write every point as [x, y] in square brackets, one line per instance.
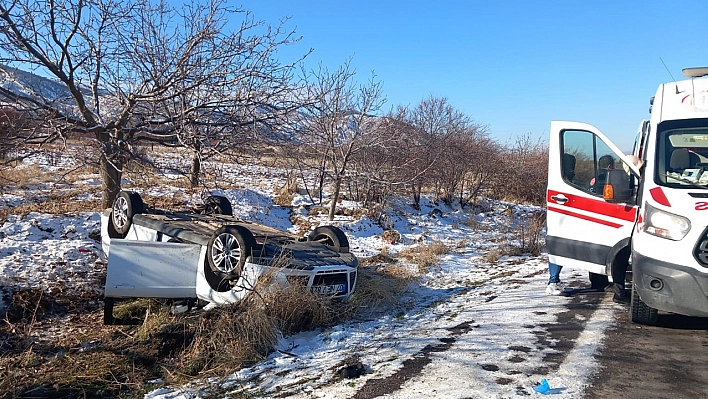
[152, 269]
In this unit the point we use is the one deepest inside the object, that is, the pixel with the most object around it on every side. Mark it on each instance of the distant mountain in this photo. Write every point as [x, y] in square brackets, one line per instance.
[28, 84]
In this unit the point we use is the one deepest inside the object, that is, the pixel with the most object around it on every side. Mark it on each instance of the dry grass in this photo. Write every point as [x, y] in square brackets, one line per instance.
[391, 236]
[295, 308]
[303, 225]
[493, 255]
[93, 360]
[285, 195]
[225, 339]
[379, 289]
[52, 192]
[529, 234]
[425, 256]
[56, 203]
[527, 238]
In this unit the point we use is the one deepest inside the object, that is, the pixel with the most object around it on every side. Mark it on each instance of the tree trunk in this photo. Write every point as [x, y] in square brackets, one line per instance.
[416, 196]
[111, 172]
[195, 171]
[335, 197]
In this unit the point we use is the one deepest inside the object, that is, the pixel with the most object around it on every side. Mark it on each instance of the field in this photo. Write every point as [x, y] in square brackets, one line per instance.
[445, 294]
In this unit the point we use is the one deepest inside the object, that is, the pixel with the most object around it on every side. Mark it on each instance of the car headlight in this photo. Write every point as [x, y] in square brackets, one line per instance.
[665, 224]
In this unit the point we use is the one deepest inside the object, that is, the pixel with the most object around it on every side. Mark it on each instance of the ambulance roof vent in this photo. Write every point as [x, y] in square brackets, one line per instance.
[695, 72]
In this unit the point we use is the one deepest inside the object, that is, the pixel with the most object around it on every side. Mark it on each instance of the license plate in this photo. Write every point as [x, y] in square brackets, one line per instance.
[329, 289]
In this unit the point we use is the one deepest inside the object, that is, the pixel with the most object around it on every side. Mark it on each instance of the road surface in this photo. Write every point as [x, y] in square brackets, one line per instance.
[666, 361]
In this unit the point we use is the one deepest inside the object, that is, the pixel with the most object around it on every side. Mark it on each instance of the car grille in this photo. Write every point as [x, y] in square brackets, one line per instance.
[330, 279]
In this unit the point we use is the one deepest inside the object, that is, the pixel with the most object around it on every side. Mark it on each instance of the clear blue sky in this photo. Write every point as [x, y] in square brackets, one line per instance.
[511, 65]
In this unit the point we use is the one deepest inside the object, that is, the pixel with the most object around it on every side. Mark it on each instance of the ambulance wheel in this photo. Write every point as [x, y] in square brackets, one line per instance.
[332, 237]
[598, 282]
[125, 206]
[641, 312]
[228, 249]
[217, 205]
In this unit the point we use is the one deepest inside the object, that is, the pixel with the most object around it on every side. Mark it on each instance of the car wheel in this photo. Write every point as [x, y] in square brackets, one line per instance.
[641, 312]
[330, 236]
[217, 205]
[598, 282]
[112, 232]
[125, 206]
[228, 249]
[217, 281]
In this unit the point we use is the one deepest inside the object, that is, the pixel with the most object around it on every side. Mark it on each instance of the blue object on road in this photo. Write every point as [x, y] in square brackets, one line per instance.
[543, 388]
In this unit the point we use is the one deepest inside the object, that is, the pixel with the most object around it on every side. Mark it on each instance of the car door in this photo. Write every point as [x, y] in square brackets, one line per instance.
[583, 230]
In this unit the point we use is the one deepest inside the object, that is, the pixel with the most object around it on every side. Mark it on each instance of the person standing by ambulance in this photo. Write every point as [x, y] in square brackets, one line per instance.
[555, 286]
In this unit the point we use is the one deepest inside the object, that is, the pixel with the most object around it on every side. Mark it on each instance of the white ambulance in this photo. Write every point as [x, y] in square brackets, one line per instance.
[654, 218]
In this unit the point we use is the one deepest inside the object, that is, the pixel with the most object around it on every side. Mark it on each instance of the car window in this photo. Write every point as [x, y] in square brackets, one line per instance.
[591, 158]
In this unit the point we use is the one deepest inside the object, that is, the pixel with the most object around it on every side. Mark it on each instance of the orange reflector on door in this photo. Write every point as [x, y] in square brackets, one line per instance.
[608, 192]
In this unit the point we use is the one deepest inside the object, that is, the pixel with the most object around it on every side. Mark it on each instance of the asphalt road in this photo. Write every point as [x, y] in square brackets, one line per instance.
[666, 361]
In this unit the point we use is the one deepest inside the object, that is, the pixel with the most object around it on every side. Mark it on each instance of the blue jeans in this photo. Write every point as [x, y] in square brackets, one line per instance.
[554, 271]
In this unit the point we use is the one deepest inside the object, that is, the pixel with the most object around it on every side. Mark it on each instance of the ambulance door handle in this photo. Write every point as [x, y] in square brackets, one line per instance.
[560, 198]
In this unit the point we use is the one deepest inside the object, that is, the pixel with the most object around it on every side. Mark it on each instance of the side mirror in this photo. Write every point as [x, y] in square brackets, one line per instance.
[618, 187]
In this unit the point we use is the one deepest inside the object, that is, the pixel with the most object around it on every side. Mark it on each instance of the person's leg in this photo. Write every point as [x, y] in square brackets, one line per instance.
[554, 286]
[554, 271]
[619, 274]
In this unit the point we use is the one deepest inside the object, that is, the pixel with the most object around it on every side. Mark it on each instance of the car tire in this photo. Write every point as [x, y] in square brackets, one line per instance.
[217, 281]
[228, 249]
[217, 205]
[598, 282]
[112, 232]
[332, 237]
[126, 205]
[641, 312]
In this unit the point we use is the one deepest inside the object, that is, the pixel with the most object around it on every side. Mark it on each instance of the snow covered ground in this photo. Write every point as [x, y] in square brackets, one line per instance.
[472, 327]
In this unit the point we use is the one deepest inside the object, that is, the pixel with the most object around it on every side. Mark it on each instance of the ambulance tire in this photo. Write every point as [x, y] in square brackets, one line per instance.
[126, 205]
[217, 205]
[598, 282]
[332, 237]
[641, 312]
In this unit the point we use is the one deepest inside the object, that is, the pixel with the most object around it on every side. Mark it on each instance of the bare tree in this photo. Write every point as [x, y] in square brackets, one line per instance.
[523, 173]
[12, 124]
[435, 121]
[136, 71]
[339, 124]
[483, 163]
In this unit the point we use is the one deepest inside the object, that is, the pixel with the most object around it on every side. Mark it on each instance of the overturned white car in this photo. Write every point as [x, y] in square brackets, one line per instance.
[208, 254]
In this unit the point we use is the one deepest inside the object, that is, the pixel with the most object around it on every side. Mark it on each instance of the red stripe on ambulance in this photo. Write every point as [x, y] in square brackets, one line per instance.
[595, 205]
[585, 217]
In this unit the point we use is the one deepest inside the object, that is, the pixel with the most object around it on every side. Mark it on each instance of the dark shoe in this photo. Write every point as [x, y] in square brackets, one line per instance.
[622, 297]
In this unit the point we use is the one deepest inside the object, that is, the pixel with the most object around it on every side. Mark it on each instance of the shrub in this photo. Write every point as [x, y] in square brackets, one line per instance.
[228, 337]
[522, 174]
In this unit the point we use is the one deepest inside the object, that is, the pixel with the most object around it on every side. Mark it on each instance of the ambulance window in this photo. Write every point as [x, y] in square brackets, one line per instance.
[592, 159]
[682, 156]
